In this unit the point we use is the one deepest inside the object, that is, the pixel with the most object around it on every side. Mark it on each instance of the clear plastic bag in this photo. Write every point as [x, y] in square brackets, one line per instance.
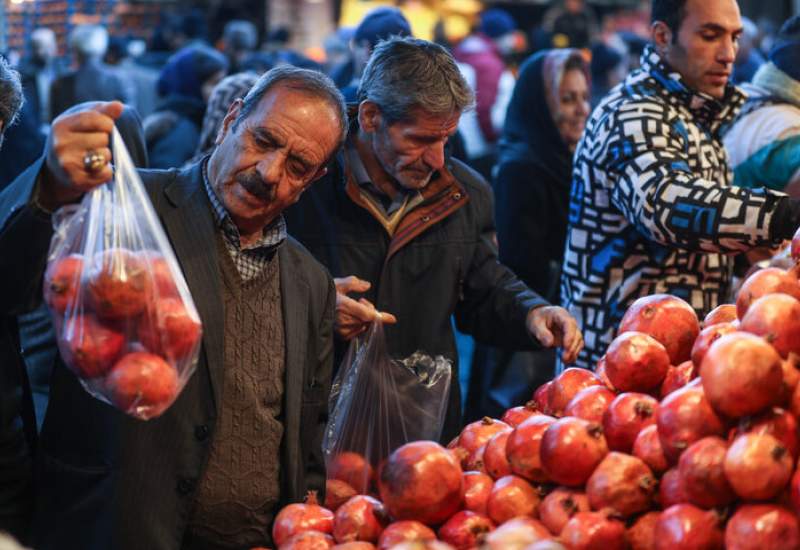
[125, 321]
[378, 404]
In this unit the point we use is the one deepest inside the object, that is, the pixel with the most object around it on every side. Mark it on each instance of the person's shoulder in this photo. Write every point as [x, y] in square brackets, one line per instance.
[468, 177]
[311, 267]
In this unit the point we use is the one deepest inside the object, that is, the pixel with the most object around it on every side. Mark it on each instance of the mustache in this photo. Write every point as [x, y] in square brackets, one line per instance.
[255, 185]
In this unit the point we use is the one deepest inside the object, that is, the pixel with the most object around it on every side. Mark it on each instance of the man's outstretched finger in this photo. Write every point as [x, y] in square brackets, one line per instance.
[349, 284]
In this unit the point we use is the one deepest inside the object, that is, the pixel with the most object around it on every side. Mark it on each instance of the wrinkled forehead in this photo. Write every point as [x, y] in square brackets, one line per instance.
[420, 121]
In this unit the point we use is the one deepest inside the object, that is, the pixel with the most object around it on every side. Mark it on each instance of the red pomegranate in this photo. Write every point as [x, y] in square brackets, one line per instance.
[143, 382]
[648, 448]
[593, 531]
[354, 545]
[353, 469]
[757, 466]
[423, 545]
[465, 529]
[309, 540]
[119, 284]
[89, 346]
[477, 488]
[421, 481]
[169, 329]
[775, 317]
[337, 492]
[296, 518]
[495, 460]
[541, 397]
[683, 417]
[404, 531]
[666, 318]
[522, 447]
[794, 491]
[708, 336]
[621, 483]
[590, 403]
[559, 506]
[600, 371]
[515, 533]
[474, 462]
[163, 281]
[571, 449]
[762, 526]
[677, 377]
[702, 473]
[777, 422]
[791, 377]
[723, 313]
[511, 496]
[62, 282]
[627, 415]
[546, 544]
[765, 281]
[642, 534]
[636, 362]
[671, 490]
[566, 385]
[478, 433]
[689, 527]
[517, 415]
[360, 518]
[741, 375]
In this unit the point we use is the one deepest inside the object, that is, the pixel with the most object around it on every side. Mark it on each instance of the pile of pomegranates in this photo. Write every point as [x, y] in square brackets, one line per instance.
[684, 437]
[123, 327]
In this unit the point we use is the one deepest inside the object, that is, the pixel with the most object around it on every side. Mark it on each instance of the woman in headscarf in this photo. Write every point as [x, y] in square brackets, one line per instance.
[173, 130]
[532, 181]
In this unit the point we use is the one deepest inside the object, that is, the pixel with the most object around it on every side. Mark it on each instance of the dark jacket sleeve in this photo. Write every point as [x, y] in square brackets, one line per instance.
[494, 303]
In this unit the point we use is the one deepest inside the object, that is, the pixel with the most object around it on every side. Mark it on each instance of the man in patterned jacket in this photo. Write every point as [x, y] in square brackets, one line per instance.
[652, 207]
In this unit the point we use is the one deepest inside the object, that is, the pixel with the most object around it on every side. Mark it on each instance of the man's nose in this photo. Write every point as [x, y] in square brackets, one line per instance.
[727, 51]
[434, 155]
[270, 169]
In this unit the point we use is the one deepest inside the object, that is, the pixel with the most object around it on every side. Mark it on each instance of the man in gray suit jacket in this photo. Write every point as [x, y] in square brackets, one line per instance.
[243, 438]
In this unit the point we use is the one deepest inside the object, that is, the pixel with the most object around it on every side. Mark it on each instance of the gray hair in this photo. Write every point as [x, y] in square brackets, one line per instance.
[11, 98]
[307, 81]
[89, 41]
[405, 73]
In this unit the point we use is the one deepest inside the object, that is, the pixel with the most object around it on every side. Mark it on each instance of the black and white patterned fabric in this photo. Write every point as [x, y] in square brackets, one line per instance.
[652, 208]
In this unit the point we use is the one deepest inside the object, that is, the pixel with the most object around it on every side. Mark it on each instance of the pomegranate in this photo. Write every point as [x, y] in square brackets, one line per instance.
[775, 317]
[571, 448]
[741, 375]
[780, 424]
[477, 488]
[465, 529]
[360, 518]
[494, 456]
[636, 362]
[119, 284]
[296, 518]
[708, 336]
[794, 491]
[761, 526]
[522, 447]
[671, 490]
[689, 527]
[564, 387]
[511, 496]
[337, 492]
[353, 469]
[309, 540]
[62, 283]
[648, 448]
[621, 483]
[590, 403]
[142, 382]
[541, 397]
[355, 545]
[592, 531]
[478, 433]
[515, 534]
[163, 281]
[169, 329]
[474, 462]
[89, 346]
[559, 506]
[765, 281]
[666, 318]
[757, 466]
[423, 545]
[642, 534]
[517, 415]
[677, 377]
[702, 473]
[600, 371]
[546, 544]
[723, 313]
[627, 415]
[404, 531]
[421, 481]
[791, 377]
[683, 417]
[794, 403]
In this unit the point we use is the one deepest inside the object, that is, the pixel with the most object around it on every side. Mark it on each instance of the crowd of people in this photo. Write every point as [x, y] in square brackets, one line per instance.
[423, 183]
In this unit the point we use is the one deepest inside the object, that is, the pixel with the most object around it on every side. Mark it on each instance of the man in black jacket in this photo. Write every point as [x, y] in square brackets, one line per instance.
[411, 230]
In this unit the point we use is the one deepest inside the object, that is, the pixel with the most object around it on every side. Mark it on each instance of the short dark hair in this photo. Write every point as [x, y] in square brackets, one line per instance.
[11, 97]
[670, 12]
[311, 82]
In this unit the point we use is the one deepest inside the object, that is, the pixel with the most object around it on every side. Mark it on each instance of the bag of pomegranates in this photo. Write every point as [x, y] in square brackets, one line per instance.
[378, 404]
[125, 321]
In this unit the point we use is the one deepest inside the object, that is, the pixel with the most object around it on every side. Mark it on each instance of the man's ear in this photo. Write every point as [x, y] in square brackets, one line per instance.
[230, 118]
[662, 37]
[369, 116]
